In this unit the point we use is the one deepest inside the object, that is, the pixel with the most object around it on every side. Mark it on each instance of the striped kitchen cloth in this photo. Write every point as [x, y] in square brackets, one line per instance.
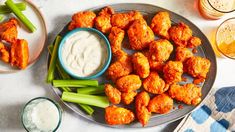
[216, 114]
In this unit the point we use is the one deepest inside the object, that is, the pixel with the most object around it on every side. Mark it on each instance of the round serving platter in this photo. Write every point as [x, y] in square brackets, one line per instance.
[205, 50]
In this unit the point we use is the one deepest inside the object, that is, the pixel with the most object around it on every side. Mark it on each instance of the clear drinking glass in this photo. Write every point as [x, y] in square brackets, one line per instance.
[215, 9]
[27, 118]
[225, 38]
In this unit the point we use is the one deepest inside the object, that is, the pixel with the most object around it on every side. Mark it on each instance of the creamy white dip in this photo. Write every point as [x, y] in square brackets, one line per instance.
[84, 53]
[41, 115]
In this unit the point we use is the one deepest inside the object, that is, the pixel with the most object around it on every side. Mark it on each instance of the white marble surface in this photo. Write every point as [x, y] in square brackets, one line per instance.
[18, 88]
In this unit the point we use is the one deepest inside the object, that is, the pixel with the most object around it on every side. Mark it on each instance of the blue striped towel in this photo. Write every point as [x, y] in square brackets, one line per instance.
[216, 114]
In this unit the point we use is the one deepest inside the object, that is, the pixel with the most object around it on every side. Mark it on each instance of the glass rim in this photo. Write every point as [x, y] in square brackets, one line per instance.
[220, 10]
[217, 45]
[48, 99]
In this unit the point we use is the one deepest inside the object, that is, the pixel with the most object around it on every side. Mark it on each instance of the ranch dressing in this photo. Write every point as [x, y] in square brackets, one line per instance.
[41, 115]
[84, 53]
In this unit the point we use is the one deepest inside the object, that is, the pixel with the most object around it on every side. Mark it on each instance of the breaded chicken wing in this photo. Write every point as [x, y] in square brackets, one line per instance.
[103, 20]
[141, 64]
[197, 67]
[189, 93]
[140, 35]
[160, 104]
[123, 20]
[173, 71]
[154, 65]
[141, 103]
[194, 42]
[121, 67]
[182, 54]
[8, 30]
[4, 53]
[116, 37]
[106, 11]
[129, 83]
[160, 50]
[154, 84]
[118, 116]
[161, 23]
[120, 55]
[129, 97]
[19, 53]
[180, 34]
[82, 19]
[113, 94]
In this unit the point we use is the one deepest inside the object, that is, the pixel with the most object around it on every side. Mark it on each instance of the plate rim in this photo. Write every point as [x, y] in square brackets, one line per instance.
[213, 56]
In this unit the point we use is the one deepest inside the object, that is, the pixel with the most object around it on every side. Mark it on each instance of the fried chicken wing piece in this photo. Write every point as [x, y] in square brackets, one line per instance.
[140, 35]
[116, 37]
[189, 93]
[103, 20]
[8, 30]
[141, 103]
[129, 83]
[121, 55]
[161, 23]
[118, 116]
[182, 54]
[82, 19]
[160, 104]
[4, 53]
[141, 64]
[106, 11]
[19, 53]
[160, 50]
[123, 20]
[180, 34]
[129, 97]
[154, 83]
[194, 42]
[113, 94]
[154, 65]
[197, 67]
[121, 67]
[173, 71]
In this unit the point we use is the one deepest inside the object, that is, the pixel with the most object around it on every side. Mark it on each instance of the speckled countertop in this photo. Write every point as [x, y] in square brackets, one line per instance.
[18, 88]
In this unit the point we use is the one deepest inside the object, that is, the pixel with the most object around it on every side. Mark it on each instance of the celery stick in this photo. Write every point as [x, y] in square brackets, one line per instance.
[91, 90]
[51, 70]
[5, 10]
[99, 101]
[10, 4]
[63, 77]
[60, 70]
[65, 89]
[87, 108]
[75, 83]
[62, 73]
[1, 18]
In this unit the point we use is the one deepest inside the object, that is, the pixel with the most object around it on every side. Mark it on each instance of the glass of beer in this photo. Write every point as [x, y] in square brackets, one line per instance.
[215, 9]
[225, 38]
